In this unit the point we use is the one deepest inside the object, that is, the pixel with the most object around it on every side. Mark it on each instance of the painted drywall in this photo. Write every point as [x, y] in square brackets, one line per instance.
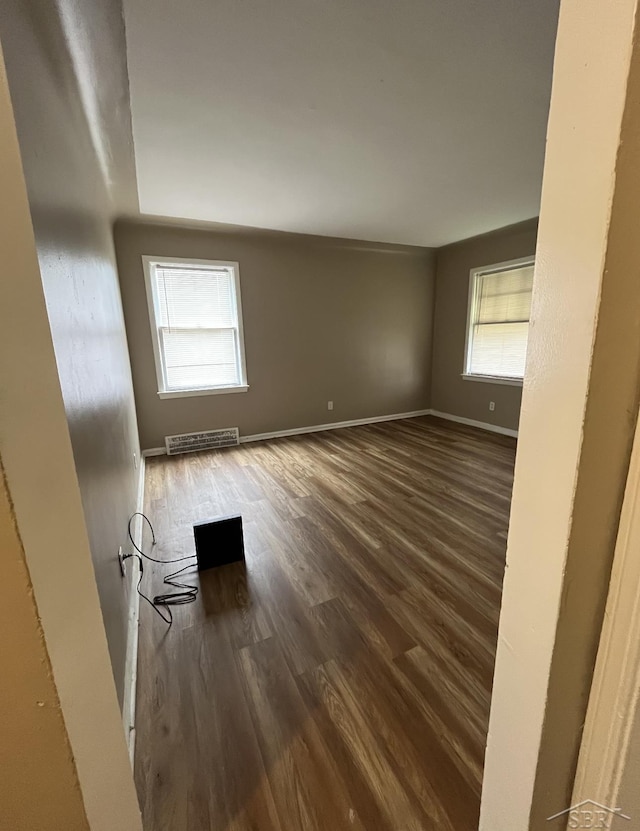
[609, 763]
[68, 81]
[450, 393]
[324, 320]
[579, 408]
[414, 122]
[46, 505]
[39, 786]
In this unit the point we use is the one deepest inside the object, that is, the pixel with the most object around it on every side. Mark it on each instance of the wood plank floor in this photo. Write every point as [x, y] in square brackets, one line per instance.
[342, 680]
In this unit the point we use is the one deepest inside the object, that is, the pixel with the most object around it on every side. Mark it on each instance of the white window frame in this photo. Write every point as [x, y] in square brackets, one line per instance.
[149, 263]
[508, 265]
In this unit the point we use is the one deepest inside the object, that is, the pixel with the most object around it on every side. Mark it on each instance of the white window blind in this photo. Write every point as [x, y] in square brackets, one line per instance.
[197, 329]
[499, 322]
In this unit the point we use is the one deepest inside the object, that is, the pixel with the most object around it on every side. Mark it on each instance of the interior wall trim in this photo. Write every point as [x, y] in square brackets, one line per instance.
[337, 425]
[605, 767]
[154, 451]
[316, 428]
[482, 425]
[132, 567]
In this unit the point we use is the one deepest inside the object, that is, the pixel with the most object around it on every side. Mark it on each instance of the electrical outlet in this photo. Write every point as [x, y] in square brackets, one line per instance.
[135, 461]
[329, 405]
[121, 561]
[492, 406]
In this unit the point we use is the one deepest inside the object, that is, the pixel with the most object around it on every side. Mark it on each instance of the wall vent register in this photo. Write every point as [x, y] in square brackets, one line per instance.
[209, 440]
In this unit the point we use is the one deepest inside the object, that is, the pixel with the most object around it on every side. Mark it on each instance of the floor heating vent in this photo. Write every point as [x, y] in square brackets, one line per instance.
[190, 442]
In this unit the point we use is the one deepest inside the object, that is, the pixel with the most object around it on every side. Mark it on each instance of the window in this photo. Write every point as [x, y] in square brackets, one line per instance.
[498, 323]
[196, 323]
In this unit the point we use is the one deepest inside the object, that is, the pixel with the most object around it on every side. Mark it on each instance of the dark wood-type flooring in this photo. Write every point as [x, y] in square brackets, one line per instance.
[341, 681]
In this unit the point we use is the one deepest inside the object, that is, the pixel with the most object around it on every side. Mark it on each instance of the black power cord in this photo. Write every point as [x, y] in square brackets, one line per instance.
[187, 593]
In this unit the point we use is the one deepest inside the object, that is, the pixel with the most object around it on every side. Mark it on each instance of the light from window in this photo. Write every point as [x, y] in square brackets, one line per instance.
[196, 321]
[499, 310]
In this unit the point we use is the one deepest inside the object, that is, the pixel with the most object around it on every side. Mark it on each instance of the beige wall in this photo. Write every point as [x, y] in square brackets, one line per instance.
[67, 77]
[46, 512]
[39, 786]
[324, 320]
[579, 409]
[450, 393]
[609, 762]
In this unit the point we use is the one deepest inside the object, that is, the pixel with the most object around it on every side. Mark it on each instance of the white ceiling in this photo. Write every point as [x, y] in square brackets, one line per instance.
[410, 121]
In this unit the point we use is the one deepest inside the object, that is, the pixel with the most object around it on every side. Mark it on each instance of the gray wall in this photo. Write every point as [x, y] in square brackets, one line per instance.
[324, 319]
[77, 154]
[449, 392]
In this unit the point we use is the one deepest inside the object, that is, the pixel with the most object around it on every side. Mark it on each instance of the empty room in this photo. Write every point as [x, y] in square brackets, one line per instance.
[320, 379]
[338, 675]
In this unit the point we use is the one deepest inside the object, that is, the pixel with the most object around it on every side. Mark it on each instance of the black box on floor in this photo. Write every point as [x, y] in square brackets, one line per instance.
[219, 542]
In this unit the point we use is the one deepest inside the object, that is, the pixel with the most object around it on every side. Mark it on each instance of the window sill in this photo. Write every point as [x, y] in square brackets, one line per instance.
[493, 379]
[209, 391]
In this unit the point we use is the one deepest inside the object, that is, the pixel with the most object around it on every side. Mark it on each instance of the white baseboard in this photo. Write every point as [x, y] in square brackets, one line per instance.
[335, 425]
[316, 428]
[482, 425]
[338, 425]
[133, 620]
